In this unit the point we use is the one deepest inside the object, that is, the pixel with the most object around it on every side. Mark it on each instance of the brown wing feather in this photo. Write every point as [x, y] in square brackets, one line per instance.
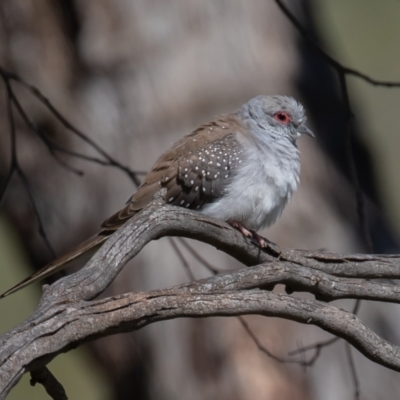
[194, 170]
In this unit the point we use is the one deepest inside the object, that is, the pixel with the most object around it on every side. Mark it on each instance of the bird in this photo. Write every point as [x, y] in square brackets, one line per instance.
[242, 168]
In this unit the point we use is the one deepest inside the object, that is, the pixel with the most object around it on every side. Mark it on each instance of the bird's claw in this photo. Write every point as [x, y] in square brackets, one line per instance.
[251, 234]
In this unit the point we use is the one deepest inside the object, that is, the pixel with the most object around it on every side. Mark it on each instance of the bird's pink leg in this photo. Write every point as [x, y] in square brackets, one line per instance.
[248, 233]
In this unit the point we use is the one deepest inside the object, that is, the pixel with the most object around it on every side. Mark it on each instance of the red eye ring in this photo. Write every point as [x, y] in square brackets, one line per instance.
[283, 117]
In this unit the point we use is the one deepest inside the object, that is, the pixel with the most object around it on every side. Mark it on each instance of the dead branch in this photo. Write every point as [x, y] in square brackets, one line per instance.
[67, 317]
[53, 388]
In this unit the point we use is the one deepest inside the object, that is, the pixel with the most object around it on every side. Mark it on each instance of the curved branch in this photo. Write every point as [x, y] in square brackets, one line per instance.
[66, 317]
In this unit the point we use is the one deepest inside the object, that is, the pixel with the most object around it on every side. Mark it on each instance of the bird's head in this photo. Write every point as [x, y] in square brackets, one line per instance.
[275, 118]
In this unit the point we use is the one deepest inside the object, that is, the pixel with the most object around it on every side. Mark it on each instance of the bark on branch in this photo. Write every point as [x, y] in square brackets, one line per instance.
[67, 317]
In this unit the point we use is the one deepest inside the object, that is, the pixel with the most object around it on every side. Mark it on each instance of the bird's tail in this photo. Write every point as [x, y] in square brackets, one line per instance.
[88, 246]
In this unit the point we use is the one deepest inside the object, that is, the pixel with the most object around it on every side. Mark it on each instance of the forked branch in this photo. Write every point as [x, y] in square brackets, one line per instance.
[67, 317]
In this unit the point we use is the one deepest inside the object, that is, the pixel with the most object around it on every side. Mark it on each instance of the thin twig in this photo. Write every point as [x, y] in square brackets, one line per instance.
[352, 164]
[54, 148]
[45, 101]
[32, 200]
[330, 60]
[245, 325]
[354, 376]
[199, 258]
[13, 151]
[52, 386]
[15, 167]
[315, 346]
[263, 349]
[111, 161]
[184, 262]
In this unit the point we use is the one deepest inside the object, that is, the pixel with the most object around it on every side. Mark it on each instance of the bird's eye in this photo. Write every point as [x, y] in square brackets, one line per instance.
[283, 117]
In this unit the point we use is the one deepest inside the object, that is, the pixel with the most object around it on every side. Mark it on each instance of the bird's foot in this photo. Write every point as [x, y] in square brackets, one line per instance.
[260, 240]
[244, 231]
[251, 234]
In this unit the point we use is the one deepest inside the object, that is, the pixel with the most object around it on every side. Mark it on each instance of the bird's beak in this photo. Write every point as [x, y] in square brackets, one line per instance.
[306, 131]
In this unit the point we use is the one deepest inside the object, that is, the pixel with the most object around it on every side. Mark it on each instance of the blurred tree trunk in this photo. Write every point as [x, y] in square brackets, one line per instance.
[136, 76]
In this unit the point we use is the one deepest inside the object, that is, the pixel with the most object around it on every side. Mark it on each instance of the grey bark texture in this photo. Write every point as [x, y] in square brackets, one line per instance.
[66, 317]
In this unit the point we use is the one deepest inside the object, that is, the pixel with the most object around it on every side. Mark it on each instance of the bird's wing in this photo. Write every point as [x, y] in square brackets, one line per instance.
[195, 170]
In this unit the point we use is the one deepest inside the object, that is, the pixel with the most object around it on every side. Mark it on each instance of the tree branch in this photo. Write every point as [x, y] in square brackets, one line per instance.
[53, 388]
[66, 317]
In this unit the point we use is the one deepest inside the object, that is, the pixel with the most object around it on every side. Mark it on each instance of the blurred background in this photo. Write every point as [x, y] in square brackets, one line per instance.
[135, 76]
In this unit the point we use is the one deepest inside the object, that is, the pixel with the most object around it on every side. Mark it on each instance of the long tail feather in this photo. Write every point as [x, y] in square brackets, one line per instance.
[91, 244]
